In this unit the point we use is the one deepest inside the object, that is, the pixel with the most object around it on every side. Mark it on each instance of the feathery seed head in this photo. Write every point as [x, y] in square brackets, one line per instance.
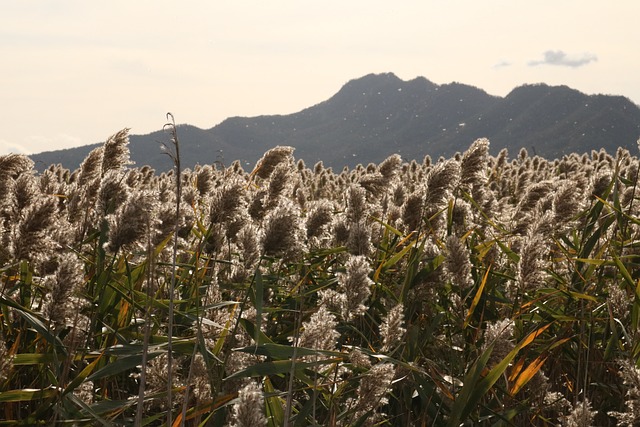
[282, 234]
[530, 269]
[441, 180]
[26, 191]
[389, 167]
[631, 379]
[200, 379]
[412, 211]
[458, 263]
[271, 159]
[319, 331]
[13, 165]
[91, 167]
[374, 182]
[249, 410]
[34, 241]
[280, 181]
[500, 333]
[474, 162]
[85, 392]
[205, 180]
[359, 239]
[113, 192]
[116, 151]
[581, 415]
[373, 388]
[67, 281]
[391, 329]
[357, 208]
[601, 183]
[131, 222]
[359, 359]
[227, 203]
[356, 285]
[319, 218]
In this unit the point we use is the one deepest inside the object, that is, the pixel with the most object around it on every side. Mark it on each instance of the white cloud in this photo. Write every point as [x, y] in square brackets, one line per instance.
[8, 147]
[60, 141]
[502, 64]
[558, 57]
[39, 143]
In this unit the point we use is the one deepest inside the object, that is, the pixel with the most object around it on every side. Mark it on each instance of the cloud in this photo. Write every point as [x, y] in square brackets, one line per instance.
[53, 142]
[502, 64]
[7, 147]
[558, 57]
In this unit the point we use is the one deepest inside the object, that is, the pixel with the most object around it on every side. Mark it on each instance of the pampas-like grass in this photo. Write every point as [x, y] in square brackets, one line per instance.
[33, 234]
[319, 332]
[319, 219]
[227, 203]
[248, 411]
[355, 284]
[13, 165]
[131, 222]
[64, 289]
[392, 330]
[271, 159]
[116, 152]
[473, 290]
[282, 233]
[630, 375]
[372, 393]
[581, 415]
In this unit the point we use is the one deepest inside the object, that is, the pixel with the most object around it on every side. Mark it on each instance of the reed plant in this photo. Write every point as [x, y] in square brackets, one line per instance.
[475, 290]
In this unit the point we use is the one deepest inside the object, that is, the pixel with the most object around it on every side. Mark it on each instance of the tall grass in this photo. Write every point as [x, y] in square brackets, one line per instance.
[475, 290]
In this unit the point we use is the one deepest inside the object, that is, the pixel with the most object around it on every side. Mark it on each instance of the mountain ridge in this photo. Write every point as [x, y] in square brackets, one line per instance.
[376, 115]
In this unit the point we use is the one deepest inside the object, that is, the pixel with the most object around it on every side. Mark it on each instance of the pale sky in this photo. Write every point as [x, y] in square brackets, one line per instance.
[74, 72]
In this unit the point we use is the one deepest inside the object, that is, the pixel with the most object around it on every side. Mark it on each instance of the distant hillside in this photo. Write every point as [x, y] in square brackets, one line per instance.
[380, 114]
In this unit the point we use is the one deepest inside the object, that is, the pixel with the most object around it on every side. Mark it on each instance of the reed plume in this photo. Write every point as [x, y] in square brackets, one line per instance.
[33, 238]
[630, 375]
[248, 410]
[372, 393]
[458, 264]
[271, 159]
[282, 234]
[116, 152]
[64, 288]
[131, 222]
[392, 330]
[319, 331]
[581, 415]
[356, 285]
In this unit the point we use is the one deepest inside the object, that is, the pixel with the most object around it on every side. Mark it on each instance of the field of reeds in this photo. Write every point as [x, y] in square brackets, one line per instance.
[475, 290]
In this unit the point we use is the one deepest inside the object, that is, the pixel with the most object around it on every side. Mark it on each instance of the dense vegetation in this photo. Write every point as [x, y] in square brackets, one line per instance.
[474, 290]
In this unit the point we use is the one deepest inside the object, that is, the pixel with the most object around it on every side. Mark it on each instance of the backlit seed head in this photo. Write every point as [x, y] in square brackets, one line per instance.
[116, 151]
[271, 159]
[356, 285]
[282, 234]
[392, 330]
[319, 331]
[249, 409]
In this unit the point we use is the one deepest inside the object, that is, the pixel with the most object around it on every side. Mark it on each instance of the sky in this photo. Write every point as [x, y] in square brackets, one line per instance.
[74, 72]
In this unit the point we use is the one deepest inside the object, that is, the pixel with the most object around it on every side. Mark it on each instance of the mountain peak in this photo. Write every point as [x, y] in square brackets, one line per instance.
[374, 84]
[377, 115]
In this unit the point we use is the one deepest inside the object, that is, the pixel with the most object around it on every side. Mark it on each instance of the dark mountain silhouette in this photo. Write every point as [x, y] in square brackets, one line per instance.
[377, 115]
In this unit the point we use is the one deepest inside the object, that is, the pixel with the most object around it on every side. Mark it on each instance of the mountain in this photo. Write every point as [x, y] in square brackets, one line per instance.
[377, 115]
